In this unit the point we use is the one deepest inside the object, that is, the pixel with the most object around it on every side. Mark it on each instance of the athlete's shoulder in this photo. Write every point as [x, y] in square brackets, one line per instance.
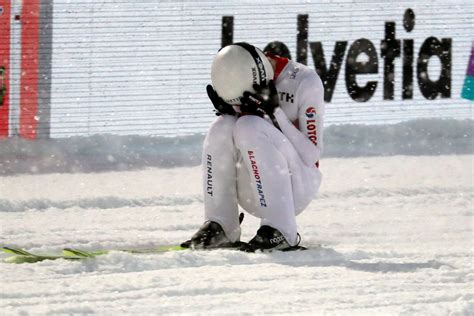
[305, 75]
[301, 73]
[299, 80]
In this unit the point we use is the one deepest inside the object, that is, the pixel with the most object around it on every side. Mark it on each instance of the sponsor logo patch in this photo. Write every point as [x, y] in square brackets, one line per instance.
[209, 189]
[311, 129]
[258, 180]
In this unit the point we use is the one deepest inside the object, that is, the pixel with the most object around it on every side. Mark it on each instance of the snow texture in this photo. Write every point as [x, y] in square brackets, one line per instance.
[396, 231]
[109, 152]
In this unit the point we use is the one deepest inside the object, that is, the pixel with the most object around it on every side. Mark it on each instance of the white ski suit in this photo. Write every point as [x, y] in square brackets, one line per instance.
[272, 175]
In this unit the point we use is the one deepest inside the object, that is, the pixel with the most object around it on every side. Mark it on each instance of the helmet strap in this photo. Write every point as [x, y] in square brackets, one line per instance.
[262, 74]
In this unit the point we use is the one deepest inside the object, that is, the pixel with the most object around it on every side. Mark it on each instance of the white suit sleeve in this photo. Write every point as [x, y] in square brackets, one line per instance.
[308, 139]
[311, 111]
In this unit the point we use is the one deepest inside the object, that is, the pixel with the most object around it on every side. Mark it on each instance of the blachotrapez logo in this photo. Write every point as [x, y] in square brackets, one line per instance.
[468, 88]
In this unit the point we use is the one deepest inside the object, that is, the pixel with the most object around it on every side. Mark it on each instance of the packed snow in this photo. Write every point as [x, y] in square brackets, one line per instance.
[107, 152]
[396, 234]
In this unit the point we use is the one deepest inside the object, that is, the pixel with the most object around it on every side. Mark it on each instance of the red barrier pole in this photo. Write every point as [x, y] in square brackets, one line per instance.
[5, 9]
[29, 68]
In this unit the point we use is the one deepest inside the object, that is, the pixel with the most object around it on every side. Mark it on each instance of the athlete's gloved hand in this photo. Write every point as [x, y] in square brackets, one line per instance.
[263, 101]
[221, 106]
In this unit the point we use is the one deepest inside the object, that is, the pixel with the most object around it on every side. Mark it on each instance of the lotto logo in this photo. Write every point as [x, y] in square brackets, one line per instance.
[310, 112]
[311, 125]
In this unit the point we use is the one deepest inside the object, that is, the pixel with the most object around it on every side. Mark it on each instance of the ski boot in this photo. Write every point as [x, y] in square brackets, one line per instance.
[209, 235]
[269, 239]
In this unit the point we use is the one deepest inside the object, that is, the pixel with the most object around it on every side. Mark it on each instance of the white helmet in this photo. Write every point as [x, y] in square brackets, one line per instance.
[236, 68]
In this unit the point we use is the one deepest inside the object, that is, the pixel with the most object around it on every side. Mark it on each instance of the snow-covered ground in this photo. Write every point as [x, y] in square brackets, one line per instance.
[397, 234]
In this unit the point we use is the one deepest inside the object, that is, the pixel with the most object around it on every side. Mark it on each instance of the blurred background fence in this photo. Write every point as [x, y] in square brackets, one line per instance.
[86, 67]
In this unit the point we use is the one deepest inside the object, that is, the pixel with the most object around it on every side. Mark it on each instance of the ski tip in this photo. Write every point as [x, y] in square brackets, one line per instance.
[15, 251]
[77, 253]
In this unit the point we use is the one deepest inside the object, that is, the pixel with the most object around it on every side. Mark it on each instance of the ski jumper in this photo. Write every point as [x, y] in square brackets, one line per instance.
[271, 174]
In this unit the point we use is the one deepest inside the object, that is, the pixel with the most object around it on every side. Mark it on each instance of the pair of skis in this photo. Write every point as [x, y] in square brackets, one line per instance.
[18, 255]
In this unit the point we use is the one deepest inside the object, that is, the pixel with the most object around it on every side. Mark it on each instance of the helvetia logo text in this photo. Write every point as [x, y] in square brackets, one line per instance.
[414, 64]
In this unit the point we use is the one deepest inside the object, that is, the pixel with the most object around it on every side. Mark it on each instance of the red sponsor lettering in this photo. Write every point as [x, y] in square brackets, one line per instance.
[311, 129]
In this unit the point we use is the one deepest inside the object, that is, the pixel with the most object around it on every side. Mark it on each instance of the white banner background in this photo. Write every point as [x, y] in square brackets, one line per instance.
[141, 67]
